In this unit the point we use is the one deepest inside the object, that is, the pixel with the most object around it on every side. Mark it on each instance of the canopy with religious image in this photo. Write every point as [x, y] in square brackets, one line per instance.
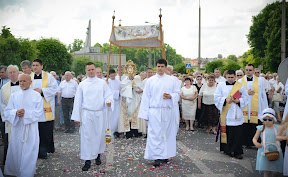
[147, 36]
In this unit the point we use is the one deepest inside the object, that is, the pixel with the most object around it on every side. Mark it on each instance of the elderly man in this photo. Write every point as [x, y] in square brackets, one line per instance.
[6, 91]
[218, 76]
[45, 84]
[91, 115]
[67, 89]
[257, 102]
[26, 66]
[24, 110]
[257, 72]
[239, 74]
[120, 73]
[273, 81]
[149, 74]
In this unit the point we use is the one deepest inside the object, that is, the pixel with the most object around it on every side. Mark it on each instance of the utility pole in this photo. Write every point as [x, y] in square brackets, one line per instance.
[150, 58]
[283, 34]
[199, 44]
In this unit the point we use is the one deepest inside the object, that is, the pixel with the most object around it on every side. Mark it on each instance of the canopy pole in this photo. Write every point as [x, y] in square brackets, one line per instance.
[120, 67]
[162, 40]
[113, 18]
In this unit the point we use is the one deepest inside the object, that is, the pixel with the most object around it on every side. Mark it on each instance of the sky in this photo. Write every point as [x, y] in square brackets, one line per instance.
[224, 23]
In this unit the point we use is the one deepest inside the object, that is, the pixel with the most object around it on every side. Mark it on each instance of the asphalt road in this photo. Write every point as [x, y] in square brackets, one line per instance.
[197, 155]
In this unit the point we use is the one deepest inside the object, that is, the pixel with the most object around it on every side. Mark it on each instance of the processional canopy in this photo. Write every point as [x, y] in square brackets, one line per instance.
[147, 36]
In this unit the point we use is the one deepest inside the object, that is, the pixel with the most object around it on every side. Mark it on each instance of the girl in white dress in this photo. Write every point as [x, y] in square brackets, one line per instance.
[189, 95]
[282, 136]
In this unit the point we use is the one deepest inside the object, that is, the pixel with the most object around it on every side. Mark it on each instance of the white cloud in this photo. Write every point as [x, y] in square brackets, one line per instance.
[225, 23]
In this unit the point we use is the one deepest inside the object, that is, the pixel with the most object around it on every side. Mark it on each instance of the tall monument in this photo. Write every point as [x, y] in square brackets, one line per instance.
[94, 52]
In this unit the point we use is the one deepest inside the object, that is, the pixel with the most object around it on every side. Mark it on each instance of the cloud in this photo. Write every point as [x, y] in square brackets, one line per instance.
[225, 23]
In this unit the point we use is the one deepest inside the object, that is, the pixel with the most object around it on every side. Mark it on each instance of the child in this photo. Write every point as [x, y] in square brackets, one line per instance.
[268, 133]
[283, 135]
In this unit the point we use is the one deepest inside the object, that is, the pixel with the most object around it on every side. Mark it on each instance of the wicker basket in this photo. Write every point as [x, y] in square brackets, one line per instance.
[272, 155]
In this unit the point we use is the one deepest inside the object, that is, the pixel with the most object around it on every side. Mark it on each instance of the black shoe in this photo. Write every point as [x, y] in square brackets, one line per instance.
[164, 160]
[238, 156]
[43, 156]
[98, 160]
[86, 167]
[157, 163]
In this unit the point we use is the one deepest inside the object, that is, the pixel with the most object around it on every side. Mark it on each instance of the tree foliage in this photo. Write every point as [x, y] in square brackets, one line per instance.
[211, 66]
[232, 57]
[54, 55]
[220, 56]
[80, 63]
[76, 45]
[265, 37]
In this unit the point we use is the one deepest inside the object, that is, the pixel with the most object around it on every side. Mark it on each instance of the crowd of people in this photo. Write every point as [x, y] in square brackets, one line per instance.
[242, 108]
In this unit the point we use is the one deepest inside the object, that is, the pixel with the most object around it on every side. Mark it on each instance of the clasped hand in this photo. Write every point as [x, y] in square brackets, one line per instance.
[231, 100]
[251, 92]
[20, 112]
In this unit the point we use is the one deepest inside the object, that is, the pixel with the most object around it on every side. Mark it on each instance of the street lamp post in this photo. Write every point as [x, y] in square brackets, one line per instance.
[283, 30]
[199, 43]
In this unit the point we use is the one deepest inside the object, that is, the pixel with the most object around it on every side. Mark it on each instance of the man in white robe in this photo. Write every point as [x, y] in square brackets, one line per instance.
[149, 74]
[115, 86]
[159, 96]
[218, 76]
[120, 73]
[92, 95]
[176, 109]
[231, 114]
[251, 113]
[24, 110]
[45, 84]
[10, 87]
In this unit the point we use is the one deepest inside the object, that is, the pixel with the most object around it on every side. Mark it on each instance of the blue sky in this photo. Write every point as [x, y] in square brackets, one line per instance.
[225, 23]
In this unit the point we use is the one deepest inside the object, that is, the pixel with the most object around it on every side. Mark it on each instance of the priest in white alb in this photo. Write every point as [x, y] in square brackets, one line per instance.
[24, 110]
[92, 96]
[257, 102]
[231, 98]
[114, 85]
[156, 107]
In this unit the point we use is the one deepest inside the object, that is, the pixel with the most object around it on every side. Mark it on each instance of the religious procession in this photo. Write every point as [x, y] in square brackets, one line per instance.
[242, 110]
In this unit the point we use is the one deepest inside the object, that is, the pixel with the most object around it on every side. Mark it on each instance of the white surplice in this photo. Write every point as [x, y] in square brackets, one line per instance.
[220, 95]
[286, 106]
[162, 127]
[24, 141]
[89, 103]
[49, 92]
[220, 79]
[176, 109]
[115, 86]
[262, 97]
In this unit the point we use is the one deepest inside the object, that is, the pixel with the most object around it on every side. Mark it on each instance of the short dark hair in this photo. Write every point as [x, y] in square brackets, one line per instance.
[251, 65]
[38, 60]
[111, 71]
[231, 71]
[187, 78]
[149, 69]
[90, 63]
[161, 61]
[3, 67]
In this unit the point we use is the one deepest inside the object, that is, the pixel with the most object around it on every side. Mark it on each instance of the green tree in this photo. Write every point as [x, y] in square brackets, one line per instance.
[181, 68]
[54, 55]
[13, 50]
[265, 36]
[98, 45]
[76, 45]
[80, 63]
[220, 56]
[232, 57]
[211, 66]
[230, 64]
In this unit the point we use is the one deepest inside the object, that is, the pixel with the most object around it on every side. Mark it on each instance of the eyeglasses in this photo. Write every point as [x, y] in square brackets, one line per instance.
[239, 75]
[249, 69]
[267, 120]
[257, 72]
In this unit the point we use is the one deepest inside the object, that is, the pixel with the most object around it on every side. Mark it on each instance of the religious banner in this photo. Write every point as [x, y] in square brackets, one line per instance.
[147, 36]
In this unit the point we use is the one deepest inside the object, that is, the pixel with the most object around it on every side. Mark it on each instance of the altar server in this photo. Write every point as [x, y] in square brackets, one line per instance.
[160, 94]
[257, 102]
[24, 110]
[92, 95]
[115, 86]
[45, 84]
[231, 119]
